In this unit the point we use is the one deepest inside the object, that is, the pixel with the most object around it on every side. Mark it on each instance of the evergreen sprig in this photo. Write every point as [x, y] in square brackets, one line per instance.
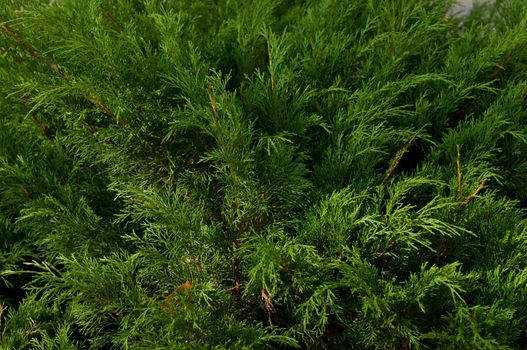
[262, 174]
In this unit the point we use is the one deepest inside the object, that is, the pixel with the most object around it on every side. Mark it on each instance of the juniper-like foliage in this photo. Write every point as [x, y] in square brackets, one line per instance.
[262, 174]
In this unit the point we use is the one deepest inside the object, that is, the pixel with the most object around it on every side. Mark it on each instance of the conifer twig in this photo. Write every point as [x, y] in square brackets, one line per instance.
[506, 59]
[444, 246]
[390, 245]
[400, 155]
[405, 343]
[167, 304]
[40, 58]
[213, 105]
[106, 111]
[3, 308]
[458, 170]
[33, 52]
[269, 307]
[475, 193]
[236, 291]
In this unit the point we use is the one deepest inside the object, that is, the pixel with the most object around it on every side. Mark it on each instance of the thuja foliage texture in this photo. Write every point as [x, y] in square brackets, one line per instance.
[260, 174]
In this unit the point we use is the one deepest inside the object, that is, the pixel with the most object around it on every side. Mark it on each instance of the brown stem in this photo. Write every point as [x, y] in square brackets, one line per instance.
[444, 246]
[399, 156]
[33, 52]
[214, 110]
[506, 59]
[390, 245]
[405, 343]
[40, 58]
[269, 307]
[106, 111]
[458, 170]
[524, 90]
[476, 192]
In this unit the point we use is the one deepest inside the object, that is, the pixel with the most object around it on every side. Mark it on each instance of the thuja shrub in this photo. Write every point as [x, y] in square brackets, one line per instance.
[239, 174]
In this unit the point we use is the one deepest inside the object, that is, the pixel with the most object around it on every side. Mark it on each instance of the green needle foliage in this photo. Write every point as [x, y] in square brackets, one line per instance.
[262, 174]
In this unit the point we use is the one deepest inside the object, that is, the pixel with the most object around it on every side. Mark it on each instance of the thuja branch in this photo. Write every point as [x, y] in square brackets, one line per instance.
[398, 159]
[476, 192]
[33, 52]
[501, 67]
[458, 170]
[386, 249]
[268, 303]
[399, 156]
[444, 246]
[216, 116]
[213, 105]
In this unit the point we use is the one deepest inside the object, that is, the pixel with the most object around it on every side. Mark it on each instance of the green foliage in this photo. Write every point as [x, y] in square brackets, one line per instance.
[262, 174]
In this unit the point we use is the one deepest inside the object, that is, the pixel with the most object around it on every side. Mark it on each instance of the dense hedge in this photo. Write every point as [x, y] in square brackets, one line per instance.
[254, 174]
